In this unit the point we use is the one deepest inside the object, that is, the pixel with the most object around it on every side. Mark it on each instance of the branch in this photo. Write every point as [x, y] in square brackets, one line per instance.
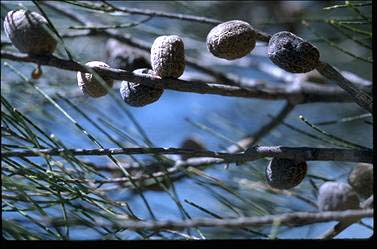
[287, 219]
[342, 225]
[299, 218]
[246, 142]
[362, 98]
[287, 77]
[252, 139]
[305, 94]
[262, 36]
[253, 153]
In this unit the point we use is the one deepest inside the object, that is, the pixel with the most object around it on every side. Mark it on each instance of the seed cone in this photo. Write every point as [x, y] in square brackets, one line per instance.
[361, 179]
[139, 95]
[125, 57]
[91, 86]
[231, 40]
[337, 196]
[28, 32]
[168, 56]
[284, 173]
[292, 53]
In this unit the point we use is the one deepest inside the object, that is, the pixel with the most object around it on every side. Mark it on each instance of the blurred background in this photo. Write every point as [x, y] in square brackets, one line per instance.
[343, 36]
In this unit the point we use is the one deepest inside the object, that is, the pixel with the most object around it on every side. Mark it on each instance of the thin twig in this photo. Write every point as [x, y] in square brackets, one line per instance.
[116, 26]
[369, 3]
[252, 139]
[362, 98]
[262, 36]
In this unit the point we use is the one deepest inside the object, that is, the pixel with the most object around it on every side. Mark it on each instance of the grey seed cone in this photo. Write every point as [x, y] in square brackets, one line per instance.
[28, 32]
[337, 196]
[284, 173]
[231, 40]
[89, 85]
[168, 56]
[292, 53]
[139, 95]
[361, 179]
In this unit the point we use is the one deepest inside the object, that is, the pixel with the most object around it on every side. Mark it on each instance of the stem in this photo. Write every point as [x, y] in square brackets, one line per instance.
[362, 98]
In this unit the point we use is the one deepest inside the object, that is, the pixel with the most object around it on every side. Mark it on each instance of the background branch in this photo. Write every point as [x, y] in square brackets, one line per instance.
[299, 218]
[342, 225]
[111, 8]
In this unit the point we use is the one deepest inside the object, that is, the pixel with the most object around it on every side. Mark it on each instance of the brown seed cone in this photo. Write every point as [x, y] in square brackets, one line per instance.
[168, 56]
[28, 32]
[37, 73]
[337, 196]
[292, 53]
[123, 56]
[284, 173]
[361, 179]
[89, 85]
[139, 95]
[231, 40]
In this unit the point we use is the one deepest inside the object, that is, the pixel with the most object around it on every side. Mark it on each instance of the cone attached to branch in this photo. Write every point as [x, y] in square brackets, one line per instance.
[231, 40]
[29, 32]
[139, 95]
[88, 83]
[282, 173]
